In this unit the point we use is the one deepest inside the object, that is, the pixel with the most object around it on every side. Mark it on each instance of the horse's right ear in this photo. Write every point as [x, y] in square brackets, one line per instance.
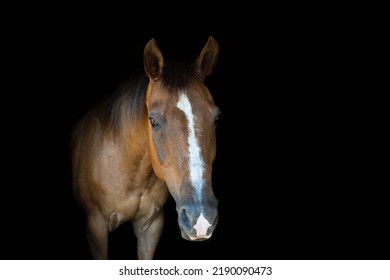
[153, 60]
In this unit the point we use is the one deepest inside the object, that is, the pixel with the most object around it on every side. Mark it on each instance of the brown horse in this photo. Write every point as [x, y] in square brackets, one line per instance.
[154, 136]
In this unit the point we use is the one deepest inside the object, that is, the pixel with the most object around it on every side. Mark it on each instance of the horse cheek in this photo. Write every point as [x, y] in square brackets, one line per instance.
[157, 155]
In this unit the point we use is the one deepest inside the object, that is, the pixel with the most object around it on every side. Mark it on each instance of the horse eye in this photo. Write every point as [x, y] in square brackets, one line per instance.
[153, 122]
[217, 119]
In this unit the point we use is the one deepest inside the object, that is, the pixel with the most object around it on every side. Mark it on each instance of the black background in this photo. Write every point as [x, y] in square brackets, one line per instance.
[294, 174]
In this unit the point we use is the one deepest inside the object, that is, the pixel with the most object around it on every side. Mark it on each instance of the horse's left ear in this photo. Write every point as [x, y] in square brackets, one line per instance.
[205, 62]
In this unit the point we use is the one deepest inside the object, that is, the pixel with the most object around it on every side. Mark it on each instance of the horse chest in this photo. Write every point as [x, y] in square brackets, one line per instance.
[137, 205]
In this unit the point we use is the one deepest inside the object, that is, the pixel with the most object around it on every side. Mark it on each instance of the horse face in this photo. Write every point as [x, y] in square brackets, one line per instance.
[183, 147]
[182, 117]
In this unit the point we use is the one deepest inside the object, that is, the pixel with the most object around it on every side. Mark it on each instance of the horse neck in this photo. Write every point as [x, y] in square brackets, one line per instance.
[126, 122]
[134, 137]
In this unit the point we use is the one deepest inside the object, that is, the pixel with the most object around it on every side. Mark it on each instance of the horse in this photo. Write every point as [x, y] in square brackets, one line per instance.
[155, 136]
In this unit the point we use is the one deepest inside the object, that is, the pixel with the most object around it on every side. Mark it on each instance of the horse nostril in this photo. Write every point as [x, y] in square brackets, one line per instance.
[184, 218]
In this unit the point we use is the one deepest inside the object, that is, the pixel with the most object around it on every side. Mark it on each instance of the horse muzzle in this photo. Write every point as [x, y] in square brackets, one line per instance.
[197, 225]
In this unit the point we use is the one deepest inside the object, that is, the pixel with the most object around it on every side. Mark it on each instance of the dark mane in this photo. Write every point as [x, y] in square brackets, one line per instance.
[128, 101]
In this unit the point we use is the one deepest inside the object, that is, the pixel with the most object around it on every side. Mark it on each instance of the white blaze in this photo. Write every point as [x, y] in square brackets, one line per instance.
[196, 164]
[201, 225]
